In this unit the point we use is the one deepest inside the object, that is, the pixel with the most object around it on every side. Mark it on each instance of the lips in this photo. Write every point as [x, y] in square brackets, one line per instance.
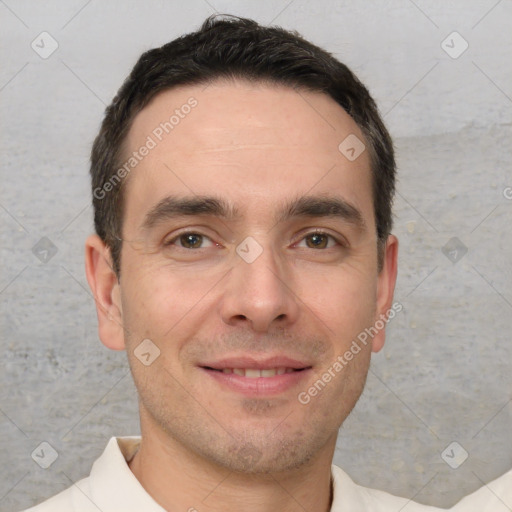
[257, 377]
[255, 373]
[256, 363]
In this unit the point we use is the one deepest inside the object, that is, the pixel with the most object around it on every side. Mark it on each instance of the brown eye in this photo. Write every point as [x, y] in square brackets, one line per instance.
[190, 240]
[319, 240]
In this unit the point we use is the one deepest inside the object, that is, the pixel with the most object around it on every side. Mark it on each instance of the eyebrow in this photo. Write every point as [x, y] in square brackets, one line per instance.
[322, 206]
[305, 206]
[171, 207]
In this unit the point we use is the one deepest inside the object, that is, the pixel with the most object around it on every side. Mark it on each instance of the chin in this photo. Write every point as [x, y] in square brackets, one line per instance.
[266, 456]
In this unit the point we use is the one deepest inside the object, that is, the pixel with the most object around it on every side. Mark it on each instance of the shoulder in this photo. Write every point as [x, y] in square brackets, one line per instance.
[76, 497]
[349, 496]
[110, 484]
[495, 496]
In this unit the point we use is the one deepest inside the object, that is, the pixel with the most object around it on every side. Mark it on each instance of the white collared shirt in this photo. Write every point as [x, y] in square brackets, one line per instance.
[112, 487]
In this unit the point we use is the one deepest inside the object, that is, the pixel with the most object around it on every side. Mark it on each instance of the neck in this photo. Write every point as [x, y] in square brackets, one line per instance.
[180, 480]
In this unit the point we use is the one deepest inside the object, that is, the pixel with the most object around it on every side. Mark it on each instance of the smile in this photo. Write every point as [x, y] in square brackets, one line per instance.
[248, 376]
[254, 373]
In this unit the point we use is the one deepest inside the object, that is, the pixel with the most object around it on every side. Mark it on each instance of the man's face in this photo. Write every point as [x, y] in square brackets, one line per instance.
[248, 307]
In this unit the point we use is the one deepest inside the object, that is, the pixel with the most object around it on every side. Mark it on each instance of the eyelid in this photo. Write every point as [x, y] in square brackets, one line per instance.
[186, 231]
[339, 239]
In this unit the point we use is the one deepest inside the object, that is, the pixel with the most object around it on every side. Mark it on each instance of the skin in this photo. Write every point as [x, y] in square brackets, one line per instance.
[256, 147]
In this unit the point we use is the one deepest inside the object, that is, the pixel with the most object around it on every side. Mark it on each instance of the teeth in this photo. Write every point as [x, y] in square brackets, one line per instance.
[252, 373]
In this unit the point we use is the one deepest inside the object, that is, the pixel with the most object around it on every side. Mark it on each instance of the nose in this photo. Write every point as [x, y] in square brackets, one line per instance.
[259, 295]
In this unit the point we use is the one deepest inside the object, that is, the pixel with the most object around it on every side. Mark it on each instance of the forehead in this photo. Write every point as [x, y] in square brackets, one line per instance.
[253, 143]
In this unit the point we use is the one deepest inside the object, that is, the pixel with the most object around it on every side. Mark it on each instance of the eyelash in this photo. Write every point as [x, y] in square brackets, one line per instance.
[311, 233]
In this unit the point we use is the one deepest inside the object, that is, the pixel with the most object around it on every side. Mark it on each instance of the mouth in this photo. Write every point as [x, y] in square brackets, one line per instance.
[255, 373]
[250, 377]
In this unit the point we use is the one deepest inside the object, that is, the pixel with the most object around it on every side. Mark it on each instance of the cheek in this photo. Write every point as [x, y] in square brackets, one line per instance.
[345, 301]
[159, 302]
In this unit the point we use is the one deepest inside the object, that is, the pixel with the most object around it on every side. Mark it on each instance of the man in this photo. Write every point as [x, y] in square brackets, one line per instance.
[242, 184]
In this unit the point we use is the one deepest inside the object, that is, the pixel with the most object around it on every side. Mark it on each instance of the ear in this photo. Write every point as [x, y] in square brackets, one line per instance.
[385, 289]
[105, 288]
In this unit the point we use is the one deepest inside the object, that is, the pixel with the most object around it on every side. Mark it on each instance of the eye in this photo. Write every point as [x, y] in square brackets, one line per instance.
[319, 240]
[190, 240]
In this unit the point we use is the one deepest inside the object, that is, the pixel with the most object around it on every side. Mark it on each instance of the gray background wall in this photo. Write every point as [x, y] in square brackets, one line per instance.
[445, 373]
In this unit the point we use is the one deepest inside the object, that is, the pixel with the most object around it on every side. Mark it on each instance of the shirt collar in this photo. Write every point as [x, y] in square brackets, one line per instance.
[114, 487]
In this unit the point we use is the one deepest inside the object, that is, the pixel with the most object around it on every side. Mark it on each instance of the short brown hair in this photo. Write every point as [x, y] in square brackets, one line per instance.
[232, 47]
